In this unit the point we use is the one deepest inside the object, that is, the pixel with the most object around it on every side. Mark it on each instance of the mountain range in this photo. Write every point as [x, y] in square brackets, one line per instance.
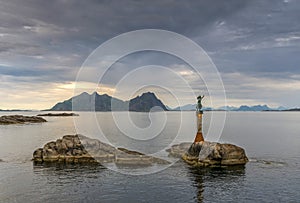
[96, 102]
[143, 103]
[192, 107]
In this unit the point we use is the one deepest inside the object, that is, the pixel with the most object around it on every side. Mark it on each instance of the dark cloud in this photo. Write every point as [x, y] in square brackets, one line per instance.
[49, 40]
[37, 75]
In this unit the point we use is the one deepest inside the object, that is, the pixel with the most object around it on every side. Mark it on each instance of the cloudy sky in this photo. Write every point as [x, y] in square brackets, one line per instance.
[255, 46]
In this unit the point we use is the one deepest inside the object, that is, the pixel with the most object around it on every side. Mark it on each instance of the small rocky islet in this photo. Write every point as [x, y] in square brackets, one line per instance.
[58, 114]
[81, 149]
[212, 154]
[20, 119]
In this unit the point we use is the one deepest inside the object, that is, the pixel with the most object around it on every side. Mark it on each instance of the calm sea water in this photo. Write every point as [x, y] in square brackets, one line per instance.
[271, 140]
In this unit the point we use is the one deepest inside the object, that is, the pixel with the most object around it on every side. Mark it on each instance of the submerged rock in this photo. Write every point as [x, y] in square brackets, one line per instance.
[209, 154]
[58, 114]
[81, 149]
[19, 119]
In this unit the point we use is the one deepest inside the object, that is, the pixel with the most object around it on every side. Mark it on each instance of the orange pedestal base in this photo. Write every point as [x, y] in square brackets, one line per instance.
[199, 137]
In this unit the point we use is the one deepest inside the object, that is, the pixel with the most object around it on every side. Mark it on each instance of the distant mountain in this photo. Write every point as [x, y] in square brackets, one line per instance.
[281, 108]
[192, 107]
[227, 108]
[168, 108]
[187, 107]
[146, 102]
[254, 108]
[96, 102]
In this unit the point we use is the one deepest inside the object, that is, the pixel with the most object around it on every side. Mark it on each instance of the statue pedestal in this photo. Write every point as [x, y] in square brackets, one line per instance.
[199, 135]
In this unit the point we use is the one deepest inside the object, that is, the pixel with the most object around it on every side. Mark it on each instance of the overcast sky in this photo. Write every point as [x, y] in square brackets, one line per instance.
[255, 46]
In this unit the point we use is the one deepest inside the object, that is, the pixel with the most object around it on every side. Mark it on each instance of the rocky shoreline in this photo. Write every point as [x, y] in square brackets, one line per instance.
[19, 119]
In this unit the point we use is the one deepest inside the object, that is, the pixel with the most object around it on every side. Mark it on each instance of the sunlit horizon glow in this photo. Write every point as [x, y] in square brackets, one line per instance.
[41, 99]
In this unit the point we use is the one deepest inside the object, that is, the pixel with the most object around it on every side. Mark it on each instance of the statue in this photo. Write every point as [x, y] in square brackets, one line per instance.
[199, 105]
[199, 136]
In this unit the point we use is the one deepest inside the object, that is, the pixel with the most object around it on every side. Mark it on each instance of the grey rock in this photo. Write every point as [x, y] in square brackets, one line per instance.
[59, 114]
[19, 119]
[81, 149]
[209, 154]
[179, 149]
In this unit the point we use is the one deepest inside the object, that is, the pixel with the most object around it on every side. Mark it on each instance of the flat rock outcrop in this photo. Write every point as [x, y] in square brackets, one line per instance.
[19, 119]
[209, 154]
[58, 114]
[81, 149]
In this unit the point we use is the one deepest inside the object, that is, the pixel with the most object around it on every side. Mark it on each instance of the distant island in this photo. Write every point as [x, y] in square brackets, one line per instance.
[13, 110]
[296, 109]
[58, 114]
[97, 102]
[19, 119]
[143, 103]
[192, 107]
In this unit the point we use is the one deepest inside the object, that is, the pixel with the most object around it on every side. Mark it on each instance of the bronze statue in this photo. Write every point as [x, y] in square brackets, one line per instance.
[199, 106]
